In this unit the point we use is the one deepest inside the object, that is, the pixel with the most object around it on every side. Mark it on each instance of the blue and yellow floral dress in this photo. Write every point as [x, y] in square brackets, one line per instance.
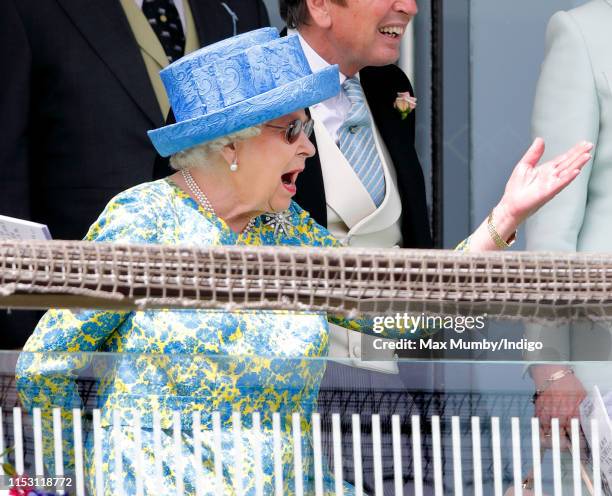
[184, 361]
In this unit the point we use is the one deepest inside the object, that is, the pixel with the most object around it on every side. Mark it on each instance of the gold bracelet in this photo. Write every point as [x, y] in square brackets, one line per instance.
[558, 375]
[554, 377]
[497, 239]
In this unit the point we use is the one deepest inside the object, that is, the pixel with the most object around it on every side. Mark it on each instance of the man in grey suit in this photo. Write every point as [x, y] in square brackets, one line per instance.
[574, 102]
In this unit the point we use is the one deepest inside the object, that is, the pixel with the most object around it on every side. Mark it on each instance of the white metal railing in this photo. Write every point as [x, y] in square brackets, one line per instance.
[582, 477]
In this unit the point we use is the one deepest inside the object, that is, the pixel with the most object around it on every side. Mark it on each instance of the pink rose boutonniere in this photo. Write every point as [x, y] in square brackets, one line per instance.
[405, 103]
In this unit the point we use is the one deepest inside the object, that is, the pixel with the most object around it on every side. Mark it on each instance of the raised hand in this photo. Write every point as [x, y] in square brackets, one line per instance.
[530, 186]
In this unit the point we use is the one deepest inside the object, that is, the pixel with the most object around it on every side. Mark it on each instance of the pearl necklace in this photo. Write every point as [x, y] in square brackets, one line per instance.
[203, 200]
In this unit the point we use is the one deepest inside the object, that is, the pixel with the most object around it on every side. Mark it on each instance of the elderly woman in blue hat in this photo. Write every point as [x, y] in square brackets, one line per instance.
[240, 142]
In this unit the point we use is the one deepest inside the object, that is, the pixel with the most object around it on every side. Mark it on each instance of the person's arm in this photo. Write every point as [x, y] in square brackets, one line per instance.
[566, 110]
[530, 186]
[48, 367]
[558, 395]
[63, 341]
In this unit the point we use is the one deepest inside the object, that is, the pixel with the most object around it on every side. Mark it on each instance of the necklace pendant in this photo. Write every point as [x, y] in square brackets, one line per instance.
[280, 222]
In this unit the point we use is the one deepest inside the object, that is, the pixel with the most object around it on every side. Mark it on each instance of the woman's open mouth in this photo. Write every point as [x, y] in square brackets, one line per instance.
[288, 180]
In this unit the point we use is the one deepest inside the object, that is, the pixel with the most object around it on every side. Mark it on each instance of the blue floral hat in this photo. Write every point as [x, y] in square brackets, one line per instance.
[238, 83]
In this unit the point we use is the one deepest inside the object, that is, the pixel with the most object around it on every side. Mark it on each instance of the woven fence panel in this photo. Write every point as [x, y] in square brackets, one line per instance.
[343, 280]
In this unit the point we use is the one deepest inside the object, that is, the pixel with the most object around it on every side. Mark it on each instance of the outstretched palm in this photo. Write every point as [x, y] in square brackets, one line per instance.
[531, 186]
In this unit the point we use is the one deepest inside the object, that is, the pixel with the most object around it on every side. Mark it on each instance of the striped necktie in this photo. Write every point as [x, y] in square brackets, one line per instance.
[356, 142]
[166, 22]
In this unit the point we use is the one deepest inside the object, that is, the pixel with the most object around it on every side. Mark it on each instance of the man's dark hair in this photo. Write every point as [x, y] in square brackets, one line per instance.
[295, 12]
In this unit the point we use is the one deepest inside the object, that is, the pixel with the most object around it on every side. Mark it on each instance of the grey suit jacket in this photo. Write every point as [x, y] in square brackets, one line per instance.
[574, 102]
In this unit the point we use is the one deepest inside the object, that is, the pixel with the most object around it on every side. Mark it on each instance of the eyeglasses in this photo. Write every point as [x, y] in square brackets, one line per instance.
[294, 128]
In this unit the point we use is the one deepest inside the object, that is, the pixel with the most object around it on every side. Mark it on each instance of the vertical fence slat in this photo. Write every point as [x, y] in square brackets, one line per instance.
[477, 456]
[297, 454]
[597, 490]
[337, 442]
[317, 453]
[57, 442]
[417, 455]
[516, 457]
[157, 445]
[118, 435]
[98, 440]
[457, 462]
[77, 430]
[257, 454]
[357, 459]
[178, 453]
[138, 454]
[496, 446]
[537, 456]
[437, 455]
[218, 450]
[398, 472]
[238, 453]
[18, 433]
[197, 451]
[278, 456]
[576, 464]
[377, 452]
[556, 454]
[39, 466]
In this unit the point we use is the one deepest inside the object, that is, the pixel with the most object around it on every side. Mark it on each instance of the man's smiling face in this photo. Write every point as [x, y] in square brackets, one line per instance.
[369, 32]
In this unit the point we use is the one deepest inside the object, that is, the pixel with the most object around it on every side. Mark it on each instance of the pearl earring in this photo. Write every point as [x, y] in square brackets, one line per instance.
[234, 165]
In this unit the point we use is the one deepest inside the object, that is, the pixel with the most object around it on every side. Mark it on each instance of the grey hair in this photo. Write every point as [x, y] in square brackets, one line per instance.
[199, 155]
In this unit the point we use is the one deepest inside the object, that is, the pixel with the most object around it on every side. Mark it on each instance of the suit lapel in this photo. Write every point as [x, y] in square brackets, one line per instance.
[346, 194]
[340, 178]
[381, 85]
[391, 208]
[104, 25]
